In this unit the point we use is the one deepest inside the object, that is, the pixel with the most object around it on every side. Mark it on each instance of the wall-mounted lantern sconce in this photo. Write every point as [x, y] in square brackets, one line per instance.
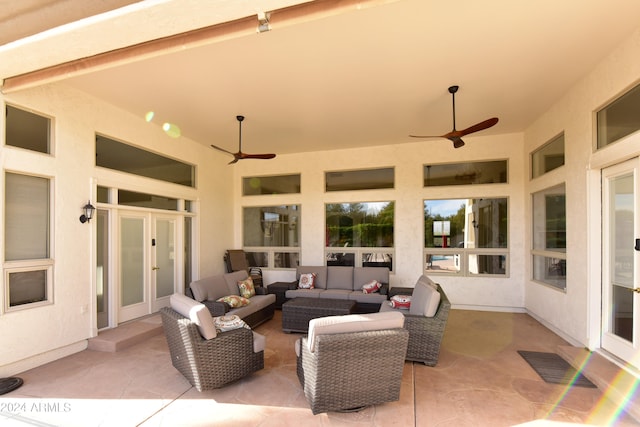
[88, 212]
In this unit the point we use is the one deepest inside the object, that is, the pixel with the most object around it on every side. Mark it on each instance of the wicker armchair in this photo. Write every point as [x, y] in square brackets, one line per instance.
[425, 333]
[209, 364]
[350, 370]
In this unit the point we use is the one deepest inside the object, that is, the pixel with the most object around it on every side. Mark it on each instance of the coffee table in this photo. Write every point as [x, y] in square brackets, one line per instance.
[297, 313]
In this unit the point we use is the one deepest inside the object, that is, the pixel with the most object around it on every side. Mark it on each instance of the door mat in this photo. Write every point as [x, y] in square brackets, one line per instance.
[554, 369]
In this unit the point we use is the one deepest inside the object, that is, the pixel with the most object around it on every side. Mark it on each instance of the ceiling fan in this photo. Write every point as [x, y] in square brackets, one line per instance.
[240, 155]
[455, 136]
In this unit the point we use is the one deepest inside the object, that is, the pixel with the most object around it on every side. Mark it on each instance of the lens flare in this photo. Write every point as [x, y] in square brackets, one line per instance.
[149, 116]
[172, 130]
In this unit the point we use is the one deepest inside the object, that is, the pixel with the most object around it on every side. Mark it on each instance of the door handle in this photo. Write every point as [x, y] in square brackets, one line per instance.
[636, 290]
[158, 268]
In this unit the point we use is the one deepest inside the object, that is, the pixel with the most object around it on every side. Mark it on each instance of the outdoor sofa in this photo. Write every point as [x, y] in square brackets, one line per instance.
[220, 292]
[339, 282]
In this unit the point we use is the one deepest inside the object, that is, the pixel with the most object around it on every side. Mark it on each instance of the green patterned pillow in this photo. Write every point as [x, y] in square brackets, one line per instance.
[246, 287]
[234, 301]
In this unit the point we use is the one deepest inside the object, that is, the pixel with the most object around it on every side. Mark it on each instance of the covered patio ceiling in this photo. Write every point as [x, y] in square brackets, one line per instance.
[328, 74]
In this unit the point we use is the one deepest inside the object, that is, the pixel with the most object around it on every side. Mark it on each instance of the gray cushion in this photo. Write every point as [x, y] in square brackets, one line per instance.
[424, 300]
[340, 278]
[196, 312]
[232, 280]
[210, 288]
[352, 323]
[362, 275]
[308, 293]
[336, 294]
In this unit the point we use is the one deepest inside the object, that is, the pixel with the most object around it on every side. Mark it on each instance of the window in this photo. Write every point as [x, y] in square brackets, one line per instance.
[548, 157]
[360, 234]
[280, 184]
[366, 179]
[27, 263]
[620, 118]
[126, 158]
[490, 172]
[466, 236]
[271, 236]
[27, 130]
[550, 237]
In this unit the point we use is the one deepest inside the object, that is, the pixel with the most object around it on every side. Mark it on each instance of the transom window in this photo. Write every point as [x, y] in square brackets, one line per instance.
[27, 130]
[279, 184]
[466, 236]
[486, 172]
[364, 179]
[360, 234]
[620, 118]
[123, 157]
[548, 157]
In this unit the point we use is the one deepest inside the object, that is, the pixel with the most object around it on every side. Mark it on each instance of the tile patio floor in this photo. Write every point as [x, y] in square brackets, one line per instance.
[480, 380]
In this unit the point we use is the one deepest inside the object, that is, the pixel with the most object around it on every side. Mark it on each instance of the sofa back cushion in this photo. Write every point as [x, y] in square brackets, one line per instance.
[211, 288]
[352, 323]
[340, 278]
[427, 281]
[424, 300]
[232, 280]
[321, 275]
[363, 275]
[196, 312]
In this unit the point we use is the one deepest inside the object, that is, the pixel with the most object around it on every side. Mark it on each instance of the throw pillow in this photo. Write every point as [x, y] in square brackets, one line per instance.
[234, 301]
[371, 287]
[228, 323]
[246, 287]
[307, 281]
[400, 301]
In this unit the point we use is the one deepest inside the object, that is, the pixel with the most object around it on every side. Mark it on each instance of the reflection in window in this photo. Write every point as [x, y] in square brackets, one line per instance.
[280, 184]
[490, 172]
[267, 233]
[548, 157]
[366, 179]
[620, 118]
[144, 200]
[466, 236]
[550, 236]
[27, 130]
[357, 229]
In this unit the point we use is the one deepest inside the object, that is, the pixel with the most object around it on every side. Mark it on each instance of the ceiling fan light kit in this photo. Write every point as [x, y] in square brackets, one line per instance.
[240, 155]
[455, 136]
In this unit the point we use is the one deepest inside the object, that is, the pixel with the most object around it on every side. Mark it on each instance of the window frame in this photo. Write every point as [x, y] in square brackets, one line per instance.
[36, 264]
[546, 254]
[540, 149]
[50, 130]
[462, 256]
[271, 251]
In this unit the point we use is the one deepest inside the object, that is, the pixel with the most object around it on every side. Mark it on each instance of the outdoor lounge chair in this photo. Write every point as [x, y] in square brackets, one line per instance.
[236, 260]
[352, 361]
[211, 363]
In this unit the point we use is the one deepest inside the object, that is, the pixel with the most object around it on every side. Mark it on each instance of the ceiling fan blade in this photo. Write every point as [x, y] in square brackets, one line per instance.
[480, 126]
[258, 156]
[223, 150]
[426, 136]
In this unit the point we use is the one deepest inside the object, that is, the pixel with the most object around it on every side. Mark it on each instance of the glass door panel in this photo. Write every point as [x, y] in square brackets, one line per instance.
[164, 267]
[620, 260]
[133, 295]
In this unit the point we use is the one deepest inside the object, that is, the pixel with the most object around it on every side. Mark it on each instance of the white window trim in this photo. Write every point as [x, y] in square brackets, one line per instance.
[26, 266]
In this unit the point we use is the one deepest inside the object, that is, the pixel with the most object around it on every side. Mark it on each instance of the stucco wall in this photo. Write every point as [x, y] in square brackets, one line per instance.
[408, 159]
[576, 313]
[36, 335]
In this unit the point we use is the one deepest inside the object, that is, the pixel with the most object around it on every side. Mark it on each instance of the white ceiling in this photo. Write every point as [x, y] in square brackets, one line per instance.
[365, 76]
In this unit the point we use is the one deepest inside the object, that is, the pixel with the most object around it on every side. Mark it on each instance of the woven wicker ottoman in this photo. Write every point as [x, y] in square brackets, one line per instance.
[297, 312]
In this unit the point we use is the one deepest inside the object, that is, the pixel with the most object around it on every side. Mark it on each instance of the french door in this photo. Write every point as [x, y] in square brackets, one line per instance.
[147, 263]
[621, 260]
